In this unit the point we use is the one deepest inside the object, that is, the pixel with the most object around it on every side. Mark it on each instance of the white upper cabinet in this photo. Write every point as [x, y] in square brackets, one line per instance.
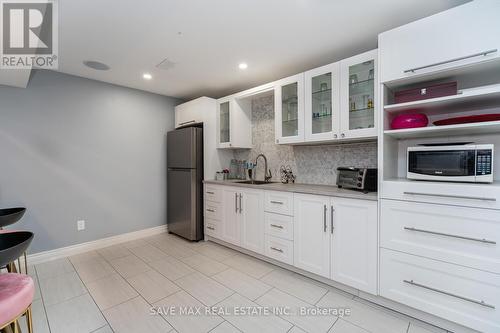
[322, 103]
[192, 112]
[358, 96]
[460, 36]
[234, 124]
[289, 109]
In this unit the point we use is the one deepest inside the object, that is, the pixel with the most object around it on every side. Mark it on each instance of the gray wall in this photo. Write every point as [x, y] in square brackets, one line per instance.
[311, 164]
[73, 148]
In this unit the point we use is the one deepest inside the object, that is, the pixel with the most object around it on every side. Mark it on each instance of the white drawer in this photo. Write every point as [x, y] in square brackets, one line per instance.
[278, 225]
[213, 193]
[279, 249]
[212, 228]
[461, 235]
[457, 194]
[462, 295]
[278, 202]
[213, 210]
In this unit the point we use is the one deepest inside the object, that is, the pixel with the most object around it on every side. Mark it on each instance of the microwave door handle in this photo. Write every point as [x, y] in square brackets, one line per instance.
[451, 196]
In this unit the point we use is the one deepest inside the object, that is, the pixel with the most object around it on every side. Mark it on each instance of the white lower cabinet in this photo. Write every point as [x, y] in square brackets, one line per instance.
[462, 295]
[332, 237]
[311, 233]
[337, 238]
[231, 228]
[252, 220]
[243, 218]
[279, 249]
[354, 243]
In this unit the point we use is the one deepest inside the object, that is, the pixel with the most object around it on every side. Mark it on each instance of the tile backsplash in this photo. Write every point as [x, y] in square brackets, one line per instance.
[311, 164]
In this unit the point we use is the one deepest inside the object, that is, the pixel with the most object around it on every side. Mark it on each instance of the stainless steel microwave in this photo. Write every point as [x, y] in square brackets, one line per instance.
[453, 163]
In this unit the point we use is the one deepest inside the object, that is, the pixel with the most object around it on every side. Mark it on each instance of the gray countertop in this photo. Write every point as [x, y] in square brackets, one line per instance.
[328, 190]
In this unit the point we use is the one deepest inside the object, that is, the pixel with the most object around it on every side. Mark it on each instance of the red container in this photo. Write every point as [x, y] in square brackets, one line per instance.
[426, 92]
[412, 120]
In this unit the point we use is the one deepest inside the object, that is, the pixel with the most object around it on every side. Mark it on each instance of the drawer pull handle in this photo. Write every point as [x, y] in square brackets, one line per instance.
[210, 192]
[450, 196]
[482, 240]
[277, 202]
[484, 53]
[331, 218]
[210, 210]
[210, 228]
[277, 226]
[481, 302]
[276, 249]
[324, 218]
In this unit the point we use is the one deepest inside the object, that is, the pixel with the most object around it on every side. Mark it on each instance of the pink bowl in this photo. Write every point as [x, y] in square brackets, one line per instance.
[411, 120]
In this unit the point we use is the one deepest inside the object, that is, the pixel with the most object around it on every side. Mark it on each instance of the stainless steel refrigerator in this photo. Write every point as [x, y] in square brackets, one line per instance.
[184, 182]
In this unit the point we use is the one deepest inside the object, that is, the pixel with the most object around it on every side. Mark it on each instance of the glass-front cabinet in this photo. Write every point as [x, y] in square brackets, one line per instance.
[358, 95]
[224, 124]
[289, 109]
[322, 103]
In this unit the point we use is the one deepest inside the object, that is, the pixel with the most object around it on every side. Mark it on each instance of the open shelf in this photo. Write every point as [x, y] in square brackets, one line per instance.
[435, 131]
[465, 99]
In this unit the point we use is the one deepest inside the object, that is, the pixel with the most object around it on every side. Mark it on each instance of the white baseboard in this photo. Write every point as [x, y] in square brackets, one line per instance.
[40, 257]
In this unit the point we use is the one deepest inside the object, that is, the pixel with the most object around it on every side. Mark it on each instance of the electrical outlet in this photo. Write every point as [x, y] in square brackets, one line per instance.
[80, 225]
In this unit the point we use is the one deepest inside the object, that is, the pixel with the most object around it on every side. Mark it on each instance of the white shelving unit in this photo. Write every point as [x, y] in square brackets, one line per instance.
[438, 131]
[479, 97]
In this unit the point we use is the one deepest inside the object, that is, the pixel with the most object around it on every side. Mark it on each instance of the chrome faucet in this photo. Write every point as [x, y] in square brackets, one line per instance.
[267, 176]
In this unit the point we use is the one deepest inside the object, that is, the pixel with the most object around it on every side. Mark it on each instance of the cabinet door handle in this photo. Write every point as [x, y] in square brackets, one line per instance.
[331, 218]
[210, 228]
[276, 249]
[484, 53]
[324, 218]
[450, 196]
[335, 136]
[277, 226]
[241, 209]
[482, 240]
[342, 135]
[187, 122]
[236, 203]
[481, 302]
[210, 192]
[276, 202]
[210, 210]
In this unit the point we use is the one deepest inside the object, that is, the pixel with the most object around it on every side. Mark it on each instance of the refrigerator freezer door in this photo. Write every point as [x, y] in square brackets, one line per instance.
[184, 148]
[184, 211]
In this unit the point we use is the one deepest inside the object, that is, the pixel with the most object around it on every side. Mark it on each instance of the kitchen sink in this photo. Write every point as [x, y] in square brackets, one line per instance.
[254, 182]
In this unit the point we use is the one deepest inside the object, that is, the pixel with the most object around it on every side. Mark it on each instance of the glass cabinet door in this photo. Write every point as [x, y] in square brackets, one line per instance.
[359, 95]
[289, 109]
[224, 124]
[322, 101]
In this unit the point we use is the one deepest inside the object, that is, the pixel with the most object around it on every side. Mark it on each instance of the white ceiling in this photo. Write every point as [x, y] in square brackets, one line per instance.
[206, 39]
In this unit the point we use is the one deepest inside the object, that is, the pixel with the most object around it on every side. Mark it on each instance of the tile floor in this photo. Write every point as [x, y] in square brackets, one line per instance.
[113, 290]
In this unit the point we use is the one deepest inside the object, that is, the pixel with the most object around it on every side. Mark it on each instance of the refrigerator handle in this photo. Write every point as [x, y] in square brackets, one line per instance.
[236, 203]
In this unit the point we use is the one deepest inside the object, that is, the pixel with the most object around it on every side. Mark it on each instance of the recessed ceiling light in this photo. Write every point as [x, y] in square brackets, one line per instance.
[243, 65]
[96, 65]
[147, 76]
